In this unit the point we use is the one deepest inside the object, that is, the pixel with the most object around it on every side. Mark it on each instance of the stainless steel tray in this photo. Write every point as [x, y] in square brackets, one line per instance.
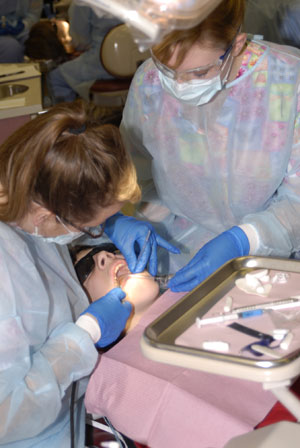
[158, 341]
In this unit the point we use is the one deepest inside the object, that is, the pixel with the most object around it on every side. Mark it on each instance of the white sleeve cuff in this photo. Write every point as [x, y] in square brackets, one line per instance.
[89, 323]
[252, 236]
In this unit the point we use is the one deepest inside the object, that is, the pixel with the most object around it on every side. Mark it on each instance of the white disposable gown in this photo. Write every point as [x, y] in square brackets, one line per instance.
[42, 351]
[234, 160]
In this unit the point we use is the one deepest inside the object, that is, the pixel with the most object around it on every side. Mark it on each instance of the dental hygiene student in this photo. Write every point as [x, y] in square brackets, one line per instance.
[213, 123]
[62, 175]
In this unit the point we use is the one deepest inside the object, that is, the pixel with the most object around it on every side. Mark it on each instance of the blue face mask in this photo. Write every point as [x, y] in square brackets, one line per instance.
[196, 92]
[59, 239]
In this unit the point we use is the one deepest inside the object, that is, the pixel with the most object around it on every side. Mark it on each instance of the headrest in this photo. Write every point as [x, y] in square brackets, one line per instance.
[119, 54]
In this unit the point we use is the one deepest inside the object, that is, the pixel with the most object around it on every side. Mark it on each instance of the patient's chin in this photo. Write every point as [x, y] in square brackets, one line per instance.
[141, 292]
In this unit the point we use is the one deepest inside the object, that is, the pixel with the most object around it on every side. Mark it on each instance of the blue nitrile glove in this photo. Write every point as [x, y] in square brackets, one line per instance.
[111, 314]
[230, 244]
[13, 30]
[126, 231]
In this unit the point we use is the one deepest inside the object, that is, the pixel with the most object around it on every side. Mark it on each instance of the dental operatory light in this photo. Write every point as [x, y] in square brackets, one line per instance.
[151, 20]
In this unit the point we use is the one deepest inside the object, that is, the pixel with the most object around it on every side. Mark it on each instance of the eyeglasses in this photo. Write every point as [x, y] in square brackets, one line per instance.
[86, 264]
[206, 71]
[92, 232]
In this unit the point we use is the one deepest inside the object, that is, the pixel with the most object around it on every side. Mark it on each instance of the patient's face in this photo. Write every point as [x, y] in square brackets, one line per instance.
[111, 271]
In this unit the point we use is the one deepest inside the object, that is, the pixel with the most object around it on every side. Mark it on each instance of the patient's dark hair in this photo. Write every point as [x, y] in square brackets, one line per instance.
[43, 42]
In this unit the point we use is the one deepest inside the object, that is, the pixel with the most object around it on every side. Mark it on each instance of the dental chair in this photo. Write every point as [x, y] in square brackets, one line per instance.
[120, 56]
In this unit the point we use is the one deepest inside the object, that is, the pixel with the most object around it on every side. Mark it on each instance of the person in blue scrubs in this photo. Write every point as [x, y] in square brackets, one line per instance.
[17, 18]
[75, 77]
[62, 176]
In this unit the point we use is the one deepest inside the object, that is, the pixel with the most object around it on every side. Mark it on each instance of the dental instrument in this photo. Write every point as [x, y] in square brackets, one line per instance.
[274, 305]
[286, 341]
[225, 317]
[251, 332]
[260, 347]
[249, 311]
[143, 247]
[263, 350]
[163, 280]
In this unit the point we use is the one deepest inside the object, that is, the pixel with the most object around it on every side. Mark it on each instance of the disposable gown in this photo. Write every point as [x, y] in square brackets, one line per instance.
[41, 350]
[235, 160]
[87, 30]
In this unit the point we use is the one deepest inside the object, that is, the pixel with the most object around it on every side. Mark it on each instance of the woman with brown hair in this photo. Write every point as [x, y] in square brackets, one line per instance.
[212, 121]
[62, 175]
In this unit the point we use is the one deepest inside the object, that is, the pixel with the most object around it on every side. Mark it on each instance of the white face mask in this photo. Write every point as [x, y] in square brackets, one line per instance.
[196, 92]
[59, 239]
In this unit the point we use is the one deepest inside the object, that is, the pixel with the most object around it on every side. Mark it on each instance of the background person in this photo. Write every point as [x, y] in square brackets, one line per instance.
[17, 18]
[276, 20]
[44, 43]
[74, 78]
[62, 175]
[102, 268]
[212, 122]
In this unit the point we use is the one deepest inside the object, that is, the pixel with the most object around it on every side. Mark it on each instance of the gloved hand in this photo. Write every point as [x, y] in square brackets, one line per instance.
[111, 314]
[230, 244]
[125, 231]
[12, 30]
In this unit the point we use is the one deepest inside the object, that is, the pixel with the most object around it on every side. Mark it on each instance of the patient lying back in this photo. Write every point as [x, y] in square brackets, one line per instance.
[102, 268]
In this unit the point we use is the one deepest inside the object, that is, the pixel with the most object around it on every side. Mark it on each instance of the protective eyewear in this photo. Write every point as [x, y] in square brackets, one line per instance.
[92, 232]
[86, 264]
[205, 72]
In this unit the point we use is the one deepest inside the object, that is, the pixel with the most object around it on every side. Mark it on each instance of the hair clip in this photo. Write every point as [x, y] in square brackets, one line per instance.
[77, 131]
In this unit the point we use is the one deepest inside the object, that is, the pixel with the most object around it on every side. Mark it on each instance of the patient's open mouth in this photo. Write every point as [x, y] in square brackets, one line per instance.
[121, 271]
